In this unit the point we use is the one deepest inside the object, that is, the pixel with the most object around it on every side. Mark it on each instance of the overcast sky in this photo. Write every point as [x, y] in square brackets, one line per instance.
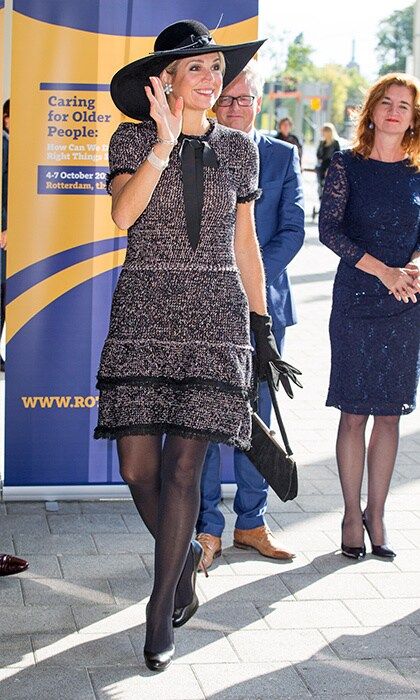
[329, 26]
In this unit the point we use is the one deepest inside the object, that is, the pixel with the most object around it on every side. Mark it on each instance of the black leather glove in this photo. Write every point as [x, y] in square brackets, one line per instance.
[268, 358]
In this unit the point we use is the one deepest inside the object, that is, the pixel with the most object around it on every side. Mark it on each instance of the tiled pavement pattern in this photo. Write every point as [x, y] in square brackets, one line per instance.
[72, 626]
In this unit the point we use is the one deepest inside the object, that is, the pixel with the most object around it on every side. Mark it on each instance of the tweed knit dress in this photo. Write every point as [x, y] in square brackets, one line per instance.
[177, 358]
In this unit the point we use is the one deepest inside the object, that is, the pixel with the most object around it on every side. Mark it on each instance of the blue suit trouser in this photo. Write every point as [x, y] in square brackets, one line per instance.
[250, 502]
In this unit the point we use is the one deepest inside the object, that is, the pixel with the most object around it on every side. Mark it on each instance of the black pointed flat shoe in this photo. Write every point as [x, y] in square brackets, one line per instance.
[159, 661]
[378, 550]
[182, 615]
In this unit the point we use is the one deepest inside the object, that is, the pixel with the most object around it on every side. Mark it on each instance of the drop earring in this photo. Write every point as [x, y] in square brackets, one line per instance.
[371, 125]
[167, 88]
[411, 132]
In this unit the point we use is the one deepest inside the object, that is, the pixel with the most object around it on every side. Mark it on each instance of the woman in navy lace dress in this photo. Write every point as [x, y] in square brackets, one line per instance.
[370, 217]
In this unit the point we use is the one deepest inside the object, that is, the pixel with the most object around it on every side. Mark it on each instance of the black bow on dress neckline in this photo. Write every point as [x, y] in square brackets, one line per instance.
[195, 154]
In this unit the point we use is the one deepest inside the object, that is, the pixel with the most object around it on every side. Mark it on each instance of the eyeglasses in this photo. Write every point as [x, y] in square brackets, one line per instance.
[242, 100]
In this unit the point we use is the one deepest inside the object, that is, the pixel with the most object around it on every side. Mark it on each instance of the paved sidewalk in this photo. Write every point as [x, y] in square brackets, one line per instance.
[72, 626]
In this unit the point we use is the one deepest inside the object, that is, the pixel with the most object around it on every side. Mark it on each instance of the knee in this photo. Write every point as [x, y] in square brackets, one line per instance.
[138, 474]
[184, 474]
[390, 422]
[353, 422]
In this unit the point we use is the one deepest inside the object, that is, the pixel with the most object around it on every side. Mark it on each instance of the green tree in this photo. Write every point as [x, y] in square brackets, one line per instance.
[395, 40]
[299, 64]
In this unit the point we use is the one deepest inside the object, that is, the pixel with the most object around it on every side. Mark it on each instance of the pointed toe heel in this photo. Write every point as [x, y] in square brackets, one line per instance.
[378, 550]
[183, 614]
[353, 552]
[159, 661]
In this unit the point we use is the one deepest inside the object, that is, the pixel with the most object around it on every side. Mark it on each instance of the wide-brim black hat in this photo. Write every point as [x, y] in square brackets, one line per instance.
[178, 40]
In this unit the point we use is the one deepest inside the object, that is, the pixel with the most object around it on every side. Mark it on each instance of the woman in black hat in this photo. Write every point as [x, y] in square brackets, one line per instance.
[177, 359]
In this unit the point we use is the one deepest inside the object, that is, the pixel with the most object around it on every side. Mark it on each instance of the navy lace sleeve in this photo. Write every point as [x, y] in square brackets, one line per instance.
[331, 215]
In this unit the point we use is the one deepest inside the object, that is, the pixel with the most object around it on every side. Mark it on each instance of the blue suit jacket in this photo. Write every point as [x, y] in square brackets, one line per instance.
[279, 217]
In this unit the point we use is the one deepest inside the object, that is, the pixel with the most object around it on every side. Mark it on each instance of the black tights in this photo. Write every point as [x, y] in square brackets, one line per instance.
[165, 486]
[381, 455]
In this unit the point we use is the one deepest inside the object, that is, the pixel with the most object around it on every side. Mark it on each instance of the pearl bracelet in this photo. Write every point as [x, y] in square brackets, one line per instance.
[167, 141]
[158, 163]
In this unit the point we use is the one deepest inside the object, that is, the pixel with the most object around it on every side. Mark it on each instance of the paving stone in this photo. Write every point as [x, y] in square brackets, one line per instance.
[317, 522]
[408, 561]
[226, 617]
[134, 523]
[339, 677]
[108, 619]
[194, 646]
[394, 611]
[401, 585]
[55, 544]
[335, 562]
[37, 618]
[373, 643]
[126, 592]
[177, 683]
[93, 523]
[410, 669]
[113, 505]
[16, 652]
[250, 681]
[306, 614]
[41, 683]
[312, 587]
[413, 536]
[236, 588]
[6, 544]
[17, 524]
[321, 503]
[81, 650]
[103, 566]
[55, 591]
[123, 543]
[10, 591]
[250, 564]
[40, 566]
[261, 646]
[24, 507]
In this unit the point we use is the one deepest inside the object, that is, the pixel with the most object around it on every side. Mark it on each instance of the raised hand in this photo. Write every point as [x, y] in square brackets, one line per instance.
[168, 122]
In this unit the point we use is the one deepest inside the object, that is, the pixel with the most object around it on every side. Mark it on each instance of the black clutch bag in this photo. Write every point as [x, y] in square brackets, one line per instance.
[268, 456]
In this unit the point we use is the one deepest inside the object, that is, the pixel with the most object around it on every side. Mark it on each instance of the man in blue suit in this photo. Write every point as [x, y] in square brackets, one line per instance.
[279, 217]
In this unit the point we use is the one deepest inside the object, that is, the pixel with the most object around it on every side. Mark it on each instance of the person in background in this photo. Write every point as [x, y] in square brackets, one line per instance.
[284, 133]
[370, 214]
[279, 216]
[328, 145]
[3, 238]
[9, 564]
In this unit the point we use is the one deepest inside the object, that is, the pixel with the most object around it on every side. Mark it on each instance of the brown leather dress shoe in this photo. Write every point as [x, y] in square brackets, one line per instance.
[212, 547]
[11, 565]
[261, 539]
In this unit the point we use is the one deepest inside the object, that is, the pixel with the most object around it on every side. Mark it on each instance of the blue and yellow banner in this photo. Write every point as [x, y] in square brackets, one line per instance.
[64, 252]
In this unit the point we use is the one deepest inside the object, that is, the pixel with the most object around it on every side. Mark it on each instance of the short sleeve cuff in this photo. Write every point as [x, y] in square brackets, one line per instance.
[256, 194]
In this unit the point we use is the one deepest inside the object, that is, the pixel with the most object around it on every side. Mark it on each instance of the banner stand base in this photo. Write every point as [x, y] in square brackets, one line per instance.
[80, 493]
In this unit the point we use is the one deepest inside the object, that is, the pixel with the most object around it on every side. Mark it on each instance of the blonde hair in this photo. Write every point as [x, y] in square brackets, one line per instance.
[173, 67]
[330, 126]
[364, 137]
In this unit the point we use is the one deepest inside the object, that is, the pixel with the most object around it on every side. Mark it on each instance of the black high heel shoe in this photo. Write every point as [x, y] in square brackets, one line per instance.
[159, 661]
[182, 615]
[379, 550]
[352, 552]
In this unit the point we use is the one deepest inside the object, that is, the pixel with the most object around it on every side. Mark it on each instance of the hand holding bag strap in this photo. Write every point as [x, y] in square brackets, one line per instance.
[273, 395]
